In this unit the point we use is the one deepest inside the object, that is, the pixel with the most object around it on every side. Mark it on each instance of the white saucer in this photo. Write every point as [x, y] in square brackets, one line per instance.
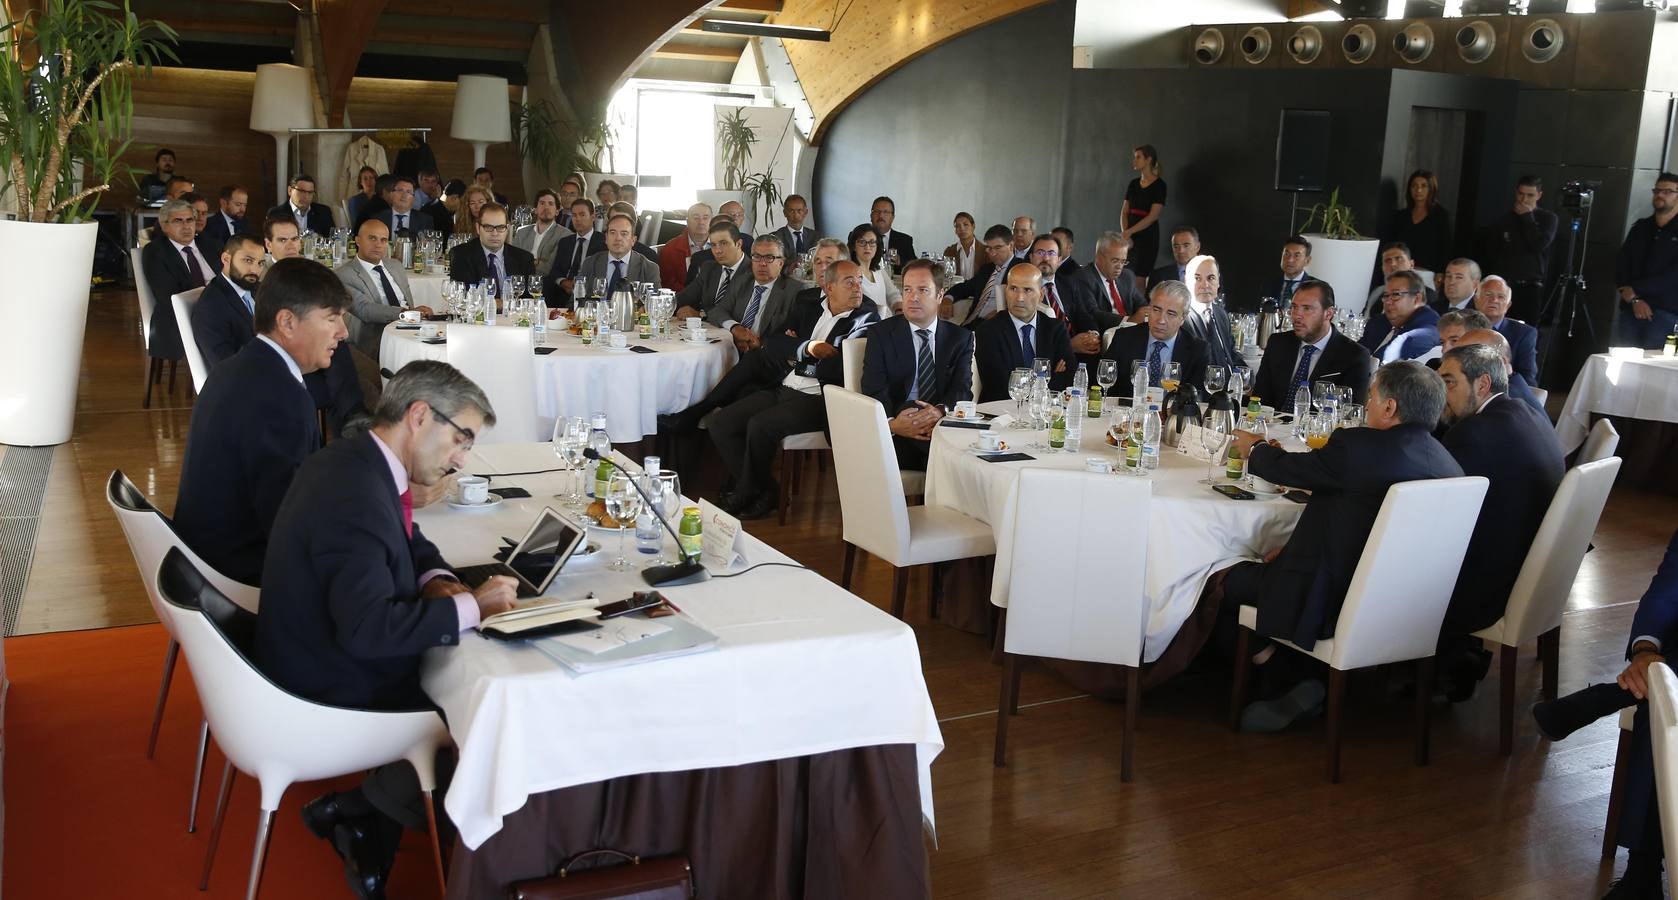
[612, 349]
[1263, 496]
[975, 448]
[493, 501]
[701, 341]
[587, 550]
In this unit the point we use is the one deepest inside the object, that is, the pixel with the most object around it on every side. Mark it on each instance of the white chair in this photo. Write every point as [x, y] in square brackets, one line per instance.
[272, 734]
[1601, 443]
[500, 361]
[1073, 592]
[1663, 723]
[1616, 787]
[150, 536]
[1394, 607]
[877, 518]
[183, 304]
[796, 447]
[148, 304]
[853, 351]
[1543, 398]
[1539, 596]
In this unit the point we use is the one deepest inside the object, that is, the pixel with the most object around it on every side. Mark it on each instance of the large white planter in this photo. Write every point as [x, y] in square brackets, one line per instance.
[43, 315]
[1347, 266]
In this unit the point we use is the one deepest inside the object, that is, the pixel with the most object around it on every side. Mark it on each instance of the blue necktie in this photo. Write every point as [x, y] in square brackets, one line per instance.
[250, 304]
[1028, 348]
[1154, 364]
[751, 308]
[617, 276]
[1301, 373]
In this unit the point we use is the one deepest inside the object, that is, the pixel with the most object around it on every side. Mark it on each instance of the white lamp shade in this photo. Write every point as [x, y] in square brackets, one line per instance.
[283, 99]
[481, 111]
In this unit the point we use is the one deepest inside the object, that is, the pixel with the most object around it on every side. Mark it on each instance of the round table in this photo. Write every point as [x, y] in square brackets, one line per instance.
[427, 290]
[1192, 530]
[632, 389]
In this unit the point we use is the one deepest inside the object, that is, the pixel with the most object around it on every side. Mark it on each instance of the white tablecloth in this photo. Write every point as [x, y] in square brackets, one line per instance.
[632, 389]
[427, 290]
[1192, 531]
[803, 667]
[1644, 388]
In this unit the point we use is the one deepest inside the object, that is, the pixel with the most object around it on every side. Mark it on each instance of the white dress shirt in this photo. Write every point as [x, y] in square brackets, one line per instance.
[204, 272]
[369, 266]
[824, 328]
[967, 260]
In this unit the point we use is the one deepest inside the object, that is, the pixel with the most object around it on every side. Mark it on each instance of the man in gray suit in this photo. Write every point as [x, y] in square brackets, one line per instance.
[718, 280]
[795, 236]
[541, 238]
[378, 292]
[619, 262]
[761, 310]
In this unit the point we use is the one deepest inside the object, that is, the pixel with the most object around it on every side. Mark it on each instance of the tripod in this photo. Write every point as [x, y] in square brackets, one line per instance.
[1567, 296]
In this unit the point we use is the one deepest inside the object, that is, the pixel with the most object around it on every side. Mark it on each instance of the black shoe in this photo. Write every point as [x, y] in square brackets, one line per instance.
[323, 813]
[366, 863]
[765, 504]
[1641, 879]
[681, 422]
[1464, 674]
[1562, 716]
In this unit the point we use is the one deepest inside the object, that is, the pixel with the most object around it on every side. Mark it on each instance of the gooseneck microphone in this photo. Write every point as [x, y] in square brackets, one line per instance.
[689, 570]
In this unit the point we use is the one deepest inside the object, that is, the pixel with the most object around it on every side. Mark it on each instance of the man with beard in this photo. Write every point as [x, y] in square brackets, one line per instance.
[222, 318]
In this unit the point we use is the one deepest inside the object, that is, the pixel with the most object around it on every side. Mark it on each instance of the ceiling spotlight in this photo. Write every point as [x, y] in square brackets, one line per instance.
[760, 29]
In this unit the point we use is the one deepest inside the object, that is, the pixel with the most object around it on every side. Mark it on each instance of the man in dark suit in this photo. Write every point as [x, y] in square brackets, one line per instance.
[357, 594]
[1112, 283]
[1518, 387]
[1065, 240]
[1185, 245]
[255, 421]
[1408, 327]
[1161, 342]
[1071, 299]
[982, 294]
[724, 280]
[748, 432]
[1461, 286]
[490, 258]
[918, 366]
[1395, 257]
[1000, 342]
[230, 218]
[795, 236]
[1493, 301]
[881, 215]
[1296, 255]
[558, 285]
[485, 179]
[399, 214]
[337, 388]
[1299, 593]
[302, 208]
[620, 262]
[1208, 320]
[222, 320]
[1313, 351]
[173, 264]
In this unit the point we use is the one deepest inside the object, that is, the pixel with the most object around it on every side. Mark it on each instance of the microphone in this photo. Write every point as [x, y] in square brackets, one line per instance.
[689, 569]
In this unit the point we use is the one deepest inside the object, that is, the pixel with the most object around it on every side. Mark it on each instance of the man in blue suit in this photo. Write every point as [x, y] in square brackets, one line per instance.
[399, 214]
[1408, 327]
[230, 218]
[1493, 302]
[223, 319]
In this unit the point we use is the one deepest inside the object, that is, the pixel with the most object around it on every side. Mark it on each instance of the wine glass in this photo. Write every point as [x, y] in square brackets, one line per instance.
[1351, 416]
[1019, 387]
[1171, 377]
[571, 439]
[1107, 375]
[1215, 376]
[623, 503]
[536, 288]
[515, 287]
[1214, 436]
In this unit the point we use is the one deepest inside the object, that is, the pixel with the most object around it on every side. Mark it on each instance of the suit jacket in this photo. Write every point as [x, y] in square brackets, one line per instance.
[319, 218]
[468, 264]
[636, 268]
[566, 265]
[438, 212]
[1523, 347]
[1133, 344]
[1520, 390]
[370, 309]
[1168, 272]
[417, 221]
[165, 272]
[221, 324]
[784, 234]
[1420, 334]
[1657, 611]
[1302, 590]
[251, 428]
[1517, 450]
[1274, 287]
[1078, 297]
[673, 262]
[807, 310]
[216, 232]
[905, 247]
[778, 302]
[1219, 338]
[996, 346]
[543, 247]
[344, 623]
[1342, 362]
[1131, 297]
[890, 366]
[701, 290]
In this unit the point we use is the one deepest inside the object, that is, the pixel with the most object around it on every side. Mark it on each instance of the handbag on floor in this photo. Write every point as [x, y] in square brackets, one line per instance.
[666, 878]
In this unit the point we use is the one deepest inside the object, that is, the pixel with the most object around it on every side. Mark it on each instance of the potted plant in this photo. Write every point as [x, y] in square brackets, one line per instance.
[1339, 254]
[736, 137]
[66, 113]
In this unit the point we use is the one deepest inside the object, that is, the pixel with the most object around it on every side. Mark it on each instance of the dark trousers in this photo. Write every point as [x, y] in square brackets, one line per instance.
[748, 432]
[1640, 820]
[1244, 586]
[911, 453]
[756, 371]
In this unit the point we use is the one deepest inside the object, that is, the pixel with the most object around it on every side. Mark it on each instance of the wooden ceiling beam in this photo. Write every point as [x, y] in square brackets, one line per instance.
[697, 54]
[345, 26]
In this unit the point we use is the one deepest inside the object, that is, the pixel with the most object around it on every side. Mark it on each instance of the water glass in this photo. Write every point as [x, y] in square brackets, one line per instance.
[1215, 378]
[1019, 388]
[1040, 368]
[623, 503]
[668, 499]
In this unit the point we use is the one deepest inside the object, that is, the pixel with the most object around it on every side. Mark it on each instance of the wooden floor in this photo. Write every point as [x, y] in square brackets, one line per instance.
[1210, 813]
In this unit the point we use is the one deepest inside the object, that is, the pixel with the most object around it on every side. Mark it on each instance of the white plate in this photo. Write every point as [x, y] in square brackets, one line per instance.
[588, 549]
[494, 501]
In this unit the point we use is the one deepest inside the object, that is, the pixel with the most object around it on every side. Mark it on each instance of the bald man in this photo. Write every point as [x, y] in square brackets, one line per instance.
[1000, 342]
[1518, 387]
[673, 257]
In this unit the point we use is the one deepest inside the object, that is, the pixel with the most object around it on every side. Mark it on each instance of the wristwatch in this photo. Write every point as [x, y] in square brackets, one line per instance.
[1644, 647]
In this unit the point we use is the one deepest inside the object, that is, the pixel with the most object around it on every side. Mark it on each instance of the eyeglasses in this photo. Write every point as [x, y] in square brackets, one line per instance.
[765, 257]
[494, 229]
[870, 242]
[1041, 253]
[467, 433]
[402, 192]
[307, 192]
[1396, 295]
[1659, 191]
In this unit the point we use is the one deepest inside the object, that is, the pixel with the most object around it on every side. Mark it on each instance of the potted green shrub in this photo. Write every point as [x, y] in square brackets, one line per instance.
[1339, 254]
[66, 113]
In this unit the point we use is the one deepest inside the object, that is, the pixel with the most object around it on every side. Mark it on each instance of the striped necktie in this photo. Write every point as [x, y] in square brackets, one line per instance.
[925, 376]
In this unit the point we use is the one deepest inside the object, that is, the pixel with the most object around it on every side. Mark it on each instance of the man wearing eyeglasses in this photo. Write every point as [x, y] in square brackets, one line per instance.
[761, 310]
[173, 264]
[490, 258]
[400, 217]
[620, 263]
[983, 292]
[300, 205]
[1112, 283]
[1408, 327]
[1069, 299]
[1647, 272]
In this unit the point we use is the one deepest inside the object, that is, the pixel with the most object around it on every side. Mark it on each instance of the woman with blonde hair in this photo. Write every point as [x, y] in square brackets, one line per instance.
[473, 200]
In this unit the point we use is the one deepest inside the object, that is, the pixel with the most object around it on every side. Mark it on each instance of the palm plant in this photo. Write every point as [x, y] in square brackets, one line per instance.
[735, 140]
[1332, 218]
[560, 144]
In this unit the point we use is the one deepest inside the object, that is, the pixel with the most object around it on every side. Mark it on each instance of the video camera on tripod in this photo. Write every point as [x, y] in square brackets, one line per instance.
[1565, 306]
[1577, 197]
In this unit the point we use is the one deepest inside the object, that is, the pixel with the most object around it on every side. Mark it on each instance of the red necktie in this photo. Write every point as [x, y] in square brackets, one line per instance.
[1054, 301]
[1113, 291]
[408, 512]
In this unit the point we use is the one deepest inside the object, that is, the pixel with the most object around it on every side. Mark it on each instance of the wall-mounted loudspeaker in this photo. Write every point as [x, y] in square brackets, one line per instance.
[1358, 44]
[1542, 41]
[1413, 43]
[1209, 47]
[1305, 45]
[1302, 145]
[1476, 42]
[1255, 45]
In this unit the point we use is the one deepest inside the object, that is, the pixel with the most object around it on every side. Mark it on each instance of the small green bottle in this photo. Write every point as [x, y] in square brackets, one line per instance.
[644, 325]
[602, 475]
[1232, 464]
[1095, 401]
[1057, 429]
[691, 532]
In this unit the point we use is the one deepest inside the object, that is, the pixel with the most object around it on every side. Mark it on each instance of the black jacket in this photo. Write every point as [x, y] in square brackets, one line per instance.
[468, 264]
[566, 264]
[1648, 263]
[251, 428]
[889, 369]
[1302, 590]
[1131, 297]
[1219, 338]
[221, 324]
[1523, 346]
[1342, 362]
[216, 233]
[342, 620]
[801, 322]
[997, 347]
[1133, 344]
[319, 218]
[905, 247]
[165, 272]
[417, 221]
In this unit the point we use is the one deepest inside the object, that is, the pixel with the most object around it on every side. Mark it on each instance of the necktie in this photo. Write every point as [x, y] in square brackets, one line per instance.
[1028, 347]
[1287, 289]
[1113, 292]
[1154, 364]
[194, 275]
[798, 241]
[408, 512]
[577, 258]
[722, 284]
[617, 276]
[401, 222]
[925, 381]
[1054, 302]
[390, 292]
[1301, 373]
[751, 308]
[250, 304]
[494, 276]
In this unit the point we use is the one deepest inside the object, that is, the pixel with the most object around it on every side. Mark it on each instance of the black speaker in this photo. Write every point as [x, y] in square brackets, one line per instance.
[1302, 150]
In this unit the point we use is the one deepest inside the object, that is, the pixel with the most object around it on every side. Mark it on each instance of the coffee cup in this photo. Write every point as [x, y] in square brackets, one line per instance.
[966, 409]
[1260, 486]
[619, 340]
[990, 440]
[411, 315]
[430, 329]
[1098, 465]
[695, 323]
[474, 489]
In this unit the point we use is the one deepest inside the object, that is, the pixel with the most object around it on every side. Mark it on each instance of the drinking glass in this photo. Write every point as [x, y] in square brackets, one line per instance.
[515, 287]
[536, 288]
[570, 440]
[1040, 368]
[1107, 375]
[623, 502]
[1215, 376]
[1322, 390]
[1240, 378]
[1301, 410]
[1343, 394]
[1171, 377]
[1214, 436]
[668, 496]
[597, 287]
[1352, 416]
[1019, 387]
[1317, 430]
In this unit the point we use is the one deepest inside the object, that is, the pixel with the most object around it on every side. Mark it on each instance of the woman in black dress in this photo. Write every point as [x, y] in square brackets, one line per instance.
[1423, 224]
[1144, 203]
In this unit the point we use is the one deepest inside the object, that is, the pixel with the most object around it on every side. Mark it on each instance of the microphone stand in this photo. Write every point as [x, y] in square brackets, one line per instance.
[689, 570]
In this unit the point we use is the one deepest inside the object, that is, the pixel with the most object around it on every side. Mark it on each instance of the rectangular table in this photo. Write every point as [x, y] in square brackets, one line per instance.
[818, 689]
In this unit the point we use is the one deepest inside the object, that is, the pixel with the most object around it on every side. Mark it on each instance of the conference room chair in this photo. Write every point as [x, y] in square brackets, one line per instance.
[1073, 592]
[1663, 723]
[1616, 787]
[1543, 398]
[1393, 607]
[1601, 443]
[490, 355]
[150, 537]
[273, 735]
[1540, 594]
[873, 512]
[1107, 336]
[148, 303]
[183, 304]
[797, 449]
